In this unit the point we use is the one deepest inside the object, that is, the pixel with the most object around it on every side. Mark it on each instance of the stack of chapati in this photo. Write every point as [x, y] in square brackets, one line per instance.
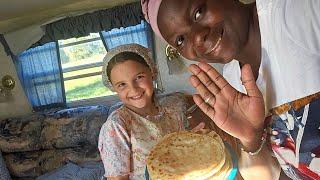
[189, 155]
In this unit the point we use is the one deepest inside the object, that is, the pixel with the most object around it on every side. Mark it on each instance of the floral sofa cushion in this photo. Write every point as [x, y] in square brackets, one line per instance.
[73, 128]
[83, 171]
[4, 173]
[21, 134]
[36, 163]
[39, 143]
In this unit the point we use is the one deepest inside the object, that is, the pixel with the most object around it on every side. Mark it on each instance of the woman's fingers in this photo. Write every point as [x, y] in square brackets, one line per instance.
[206, 95]
[249, 82]
[205, 79]
[206, 108]
[214, 75]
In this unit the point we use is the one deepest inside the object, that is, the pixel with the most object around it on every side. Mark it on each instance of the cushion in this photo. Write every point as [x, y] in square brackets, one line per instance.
[35, 163]
[73, 127]
[70, 171]
[115, 107]
[4, 173]
[21, 134]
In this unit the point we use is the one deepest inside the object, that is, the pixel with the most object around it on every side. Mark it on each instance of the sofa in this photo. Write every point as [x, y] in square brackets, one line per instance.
[43, 145]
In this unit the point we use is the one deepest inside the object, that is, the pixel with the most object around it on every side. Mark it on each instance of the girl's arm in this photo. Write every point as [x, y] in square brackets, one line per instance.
[114, 146]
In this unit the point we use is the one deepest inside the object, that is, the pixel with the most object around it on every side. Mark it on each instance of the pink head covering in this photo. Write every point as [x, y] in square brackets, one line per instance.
[150, 9]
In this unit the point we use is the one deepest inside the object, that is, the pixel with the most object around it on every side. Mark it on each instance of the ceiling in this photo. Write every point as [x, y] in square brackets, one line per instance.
[16, 14]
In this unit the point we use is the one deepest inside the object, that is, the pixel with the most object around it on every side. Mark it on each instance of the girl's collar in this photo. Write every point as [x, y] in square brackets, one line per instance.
[158, 116]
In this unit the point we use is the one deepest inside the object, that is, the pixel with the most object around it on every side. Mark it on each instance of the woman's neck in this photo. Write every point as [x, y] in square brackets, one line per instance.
[251, 53]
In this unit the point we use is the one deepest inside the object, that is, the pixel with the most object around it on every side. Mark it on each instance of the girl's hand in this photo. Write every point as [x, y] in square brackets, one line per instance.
[199, 127]
[238, 114]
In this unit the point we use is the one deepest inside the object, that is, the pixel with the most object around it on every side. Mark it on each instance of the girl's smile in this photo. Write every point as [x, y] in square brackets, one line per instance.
[133, 83]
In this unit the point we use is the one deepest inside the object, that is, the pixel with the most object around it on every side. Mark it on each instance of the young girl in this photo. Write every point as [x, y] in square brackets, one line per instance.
[131, 131]
[280, 39]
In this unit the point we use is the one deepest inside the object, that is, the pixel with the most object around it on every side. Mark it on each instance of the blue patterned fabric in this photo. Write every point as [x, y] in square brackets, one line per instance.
[71, 171]
[114, 107]
[139, 34]
[72, 112]
[4, 173]
[38, 143]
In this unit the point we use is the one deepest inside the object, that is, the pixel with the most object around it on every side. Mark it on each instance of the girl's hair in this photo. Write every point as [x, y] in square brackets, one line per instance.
[122, 57]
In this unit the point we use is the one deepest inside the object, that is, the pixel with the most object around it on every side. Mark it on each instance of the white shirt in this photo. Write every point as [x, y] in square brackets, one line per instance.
[290, 54]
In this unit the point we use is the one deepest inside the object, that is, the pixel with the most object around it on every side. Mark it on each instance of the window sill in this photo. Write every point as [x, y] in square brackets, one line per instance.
[104, 100]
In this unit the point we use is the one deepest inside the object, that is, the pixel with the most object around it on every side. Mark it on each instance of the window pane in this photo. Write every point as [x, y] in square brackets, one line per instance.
[81, 54]
[84, 88]
[78, 57]
[82, 72]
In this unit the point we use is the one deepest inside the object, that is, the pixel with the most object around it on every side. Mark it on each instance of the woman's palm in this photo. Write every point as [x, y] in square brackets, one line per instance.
[240, 115]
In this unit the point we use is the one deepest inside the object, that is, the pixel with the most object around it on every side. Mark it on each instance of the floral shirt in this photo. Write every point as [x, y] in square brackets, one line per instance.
[295, 140]
[126, 138]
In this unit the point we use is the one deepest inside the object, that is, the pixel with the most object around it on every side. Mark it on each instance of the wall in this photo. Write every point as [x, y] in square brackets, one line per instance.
[172, 83]
[18, 105]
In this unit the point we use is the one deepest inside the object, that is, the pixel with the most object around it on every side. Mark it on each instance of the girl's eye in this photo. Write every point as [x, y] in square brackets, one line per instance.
[139, 77]
[121, 85]
[179, 41]
[197, 14]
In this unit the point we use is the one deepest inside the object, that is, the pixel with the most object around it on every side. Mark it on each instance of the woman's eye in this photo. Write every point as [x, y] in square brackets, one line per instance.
[197, 14]
[179, 41]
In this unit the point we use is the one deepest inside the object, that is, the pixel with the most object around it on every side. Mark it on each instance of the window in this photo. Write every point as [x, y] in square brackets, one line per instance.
[81, 61]
[69, 70]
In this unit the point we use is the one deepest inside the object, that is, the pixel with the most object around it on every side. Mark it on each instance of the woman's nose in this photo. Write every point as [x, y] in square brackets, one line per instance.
[200, 37]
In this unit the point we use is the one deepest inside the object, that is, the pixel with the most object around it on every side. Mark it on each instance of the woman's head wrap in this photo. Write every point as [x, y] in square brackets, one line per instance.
[150, 9]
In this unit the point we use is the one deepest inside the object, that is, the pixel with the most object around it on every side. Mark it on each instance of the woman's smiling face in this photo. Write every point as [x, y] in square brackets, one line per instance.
[210, 30]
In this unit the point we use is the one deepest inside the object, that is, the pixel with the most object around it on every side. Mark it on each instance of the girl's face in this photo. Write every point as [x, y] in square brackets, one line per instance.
[133, 83]
[212, 30]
